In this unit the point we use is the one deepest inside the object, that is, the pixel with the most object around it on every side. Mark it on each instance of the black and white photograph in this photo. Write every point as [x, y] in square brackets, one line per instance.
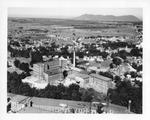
[74, 60]
[91, 63]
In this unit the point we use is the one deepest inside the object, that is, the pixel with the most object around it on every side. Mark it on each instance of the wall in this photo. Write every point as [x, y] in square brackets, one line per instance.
[99, 84]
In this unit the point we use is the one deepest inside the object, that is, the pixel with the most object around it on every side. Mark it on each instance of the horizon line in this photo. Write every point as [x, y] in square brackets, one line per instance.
[69, 17]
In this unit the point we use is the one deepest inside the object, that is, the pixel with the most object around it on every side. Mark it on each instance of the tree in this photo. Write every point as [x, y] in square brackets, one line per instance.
[25, 67]
[112, 65]
[117, 79]
[134, 65]
[17, 63]
[133, 74]
[117, 61]
[73, 92]
[124, 92]
[36, 57]
[87, 96]
[9, 107]
[106, 74]
[104, 54]
[139, 68]
[123, 54]
[24, 89]
[99, 109]
[136, 52]
[60, 91]
[76, 95]
[65, 73]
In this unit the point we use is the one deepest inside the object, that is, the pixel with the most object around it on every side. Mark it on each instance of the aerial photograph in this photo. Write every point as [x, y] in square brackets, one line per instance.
[74, 61]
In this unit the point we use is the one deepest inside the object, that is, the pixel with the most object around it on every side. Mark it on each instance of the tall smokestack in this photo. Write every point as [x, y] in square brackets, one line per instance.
[74, 57]
[74, 54]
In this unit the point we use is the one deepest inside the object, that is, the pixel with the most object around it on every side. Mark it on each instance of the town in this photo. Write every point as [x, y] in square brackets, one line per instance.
[74, 66]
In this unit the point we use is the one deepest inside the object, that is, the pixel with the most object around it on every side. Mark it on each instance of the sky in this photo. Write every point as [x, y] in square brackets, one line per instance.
[71, 12]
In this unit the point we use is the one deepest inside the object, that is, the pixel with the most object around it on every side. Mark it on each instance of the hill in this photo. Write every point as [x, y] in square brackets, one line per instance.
[91, 17]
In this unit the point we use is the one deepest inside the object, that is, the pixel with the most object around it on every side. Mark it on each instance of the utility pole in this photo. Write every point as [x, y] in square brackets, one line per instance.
[108, 100]
[129, 106]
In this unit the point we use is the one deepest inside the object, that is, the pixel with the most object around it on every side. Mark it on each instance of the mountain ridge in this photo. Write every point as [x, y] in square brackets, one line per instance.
[92, 17]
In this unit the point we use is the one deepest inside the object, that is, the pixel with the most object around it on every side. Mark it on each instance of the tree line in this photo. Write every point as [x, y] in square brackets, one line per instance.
[126, 91]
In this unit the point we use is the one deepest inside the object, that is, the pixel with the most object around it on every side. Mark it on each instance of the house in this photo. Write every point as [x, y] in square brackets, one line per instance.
[102, 66]
[123, 68]
[18, 102]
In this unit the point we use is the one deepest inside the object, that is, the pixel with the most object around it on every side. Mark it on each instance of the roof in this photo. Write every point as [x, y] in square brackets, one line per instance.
[57, 102]
[76, 69]
[82, 75]
[35, 81]
[14, 69]
[10, 95]
[23, 59]
[18, 98]
[126, 67]
[100, 77]
[94, 64]
[106, 63]
[33, 110]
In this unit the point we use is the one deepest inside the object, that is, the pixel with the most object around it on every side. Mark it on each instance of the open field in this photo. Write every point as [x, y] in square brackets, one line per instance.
[65, 27]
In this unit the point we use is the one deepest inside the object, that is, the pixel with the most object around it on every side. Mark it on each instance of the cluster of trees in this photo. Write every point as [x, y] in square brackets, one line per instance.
[136, 52]
[122, 54]
[23, 66]
[91, 50]
[124, 92]
[115, 45]
[138, 68]
[72, 92]
[133, 74]
[14, 83]
[106, 74]
[19, 53]
[36, 57]
[117, 61]
[15, 43]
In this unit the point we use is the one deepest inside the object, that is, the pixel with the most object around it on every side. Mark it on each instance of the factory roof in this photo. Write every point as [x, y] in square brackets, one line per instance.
[100, 77]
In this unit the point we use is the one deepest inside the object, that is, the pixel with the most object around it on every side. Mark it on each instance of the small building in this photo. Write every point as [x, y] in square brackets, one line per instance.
[116, 109]
[16, 103]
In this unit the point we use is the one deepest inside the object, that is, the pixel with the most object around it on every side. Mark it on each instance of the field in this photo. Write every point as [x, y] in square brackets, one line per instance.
[65, 27]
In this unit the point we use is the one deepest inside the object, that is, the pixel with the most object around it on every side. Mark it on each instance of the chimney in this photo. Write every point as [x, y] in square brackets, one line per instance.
[74, 54]
[74, 58]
